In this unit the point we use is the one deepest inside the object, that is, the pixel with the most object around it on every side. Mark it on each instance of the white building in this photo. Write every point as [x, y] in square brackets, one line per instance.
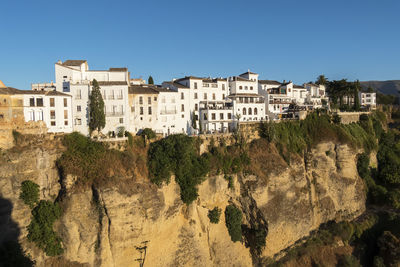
[316, 94]
[73, 77]
[367, 99]
[194, 90]
[216, 116]
[51, 107]
[248, 105]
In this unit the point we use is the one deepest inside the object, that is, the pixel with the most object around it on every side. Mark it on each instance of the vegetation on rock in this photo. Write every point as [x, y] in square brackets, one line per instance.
[29, 193]
[214, 215]
[178, 155]
[233, 221]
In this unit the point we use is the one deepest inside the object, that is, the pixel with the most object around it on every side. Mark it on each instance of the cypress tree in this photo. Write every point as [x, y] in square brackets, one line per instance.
[356, 98]
[96, 108]
[150, 80]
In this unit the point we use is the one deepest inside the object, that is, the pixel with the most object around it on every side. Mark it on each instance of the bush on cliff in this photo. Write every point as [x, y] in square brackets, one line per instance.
[40, 230]
[178, 155]
[29, 193]
[233, 221]
[214, 215]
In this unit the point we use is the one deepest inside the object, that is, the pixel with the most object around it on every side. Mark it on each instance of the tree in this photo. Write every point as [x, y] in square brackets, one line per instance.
[322, 80]
[150, 80]
[96, 108]
[29, 193]
[194, 121]
[233, 221]
[356, 88]
[214, 215]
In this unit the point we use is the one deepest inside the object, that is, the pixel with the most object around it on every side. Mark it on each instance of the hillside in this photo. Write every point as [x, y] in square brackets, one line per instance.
[391, 87]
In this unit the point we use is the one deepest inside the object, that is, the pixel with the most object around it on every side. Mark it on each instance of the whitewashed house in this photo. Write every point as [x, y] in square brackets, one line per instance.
[73, 77]
[367, 99]
[51, 107]
[248, 105]
[195, 90]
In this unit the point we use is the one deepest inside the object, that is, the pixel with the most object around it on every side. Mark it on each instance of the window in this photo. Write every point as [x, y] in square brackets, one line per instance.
[66, 123]
[52, 114]
[141, 110]
[78, 94]
[78, 108]
[214, 85]
[39, 102]
[251, 87]
[133, 109]
[149, 110]
[213, 96]
[223, 96]
[121, 120]
[206, 85]
[155, 98]
[66, 114]
[182, 95]
[205, 96]
[195, 95]
[195, 85]
[149, 100]
[213, 116]
[240, 87]
[250, 111]
[205, 116]
[53, 123]
[78, 121]
[64, 77]
[221, 116]
[244, 111]
[183, 115]
[255, 111]
[183, 108]
[65, 89]
[140, 100]
[65, 102]
[245, 88]
[196, 106]
[223, 86]
[229, 116]
[52, 102]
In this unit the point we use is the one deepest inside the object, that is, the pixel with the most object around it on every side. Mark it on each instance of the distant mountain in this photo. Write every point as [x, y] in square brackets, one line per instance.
[391, 87]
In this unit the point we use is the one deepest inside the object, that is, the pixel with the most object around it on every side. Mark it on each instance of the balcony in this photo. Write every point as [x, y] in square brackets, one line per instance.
[168, 112]
[115, 114]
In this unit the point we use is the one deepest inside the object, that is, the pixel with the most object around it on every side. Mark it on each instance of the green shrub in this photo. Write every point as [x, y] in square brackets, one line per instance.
[40, 230]
[29, 193]
[121, 131]
[177, 154]
[148, 133]
[17, 136]
[363, 165]
[233, 221]
[214, 215]
[130, 138]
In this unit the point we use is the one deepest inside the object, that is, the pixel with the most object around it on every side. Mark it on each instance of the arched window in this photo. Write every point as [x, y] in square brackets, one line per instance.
[240, 87]
[255, 111]
[245, 88]
[244, 111]
[251, 87]
[250, 111]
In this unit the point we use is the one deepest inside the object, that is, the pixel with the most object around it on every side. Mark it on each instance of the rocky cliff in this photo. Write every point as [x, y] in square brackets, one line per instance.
[110, 224]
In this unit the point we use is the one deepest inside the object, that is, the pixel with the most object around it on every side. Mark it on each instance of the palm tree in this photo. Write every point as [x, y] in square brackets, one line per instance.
[321, 80]
[237, 117]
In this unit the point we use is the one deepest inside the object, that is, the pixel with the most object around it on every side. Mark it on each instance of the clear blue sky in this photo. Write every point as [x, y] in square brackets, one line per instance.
[293, 40]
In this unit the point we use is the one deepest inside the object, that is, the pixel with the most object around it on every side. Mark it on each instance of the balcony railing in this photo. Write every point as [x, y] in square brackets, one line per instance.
[115, 114]
[168, 112]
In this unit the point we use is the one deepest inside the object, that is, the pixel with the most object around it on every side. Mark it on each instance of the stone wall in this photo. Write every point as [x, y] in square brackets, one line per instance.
[349, 117]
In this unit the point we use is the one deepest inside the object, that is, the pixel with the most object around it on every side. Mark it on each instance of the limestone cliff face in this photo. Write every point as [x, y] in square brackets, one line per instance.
[107, 225]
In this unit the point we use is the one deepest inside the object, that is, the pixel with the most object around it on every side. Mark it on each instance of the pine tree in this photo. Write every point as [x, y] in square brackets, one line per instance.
[96, 108]
[150, 80]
